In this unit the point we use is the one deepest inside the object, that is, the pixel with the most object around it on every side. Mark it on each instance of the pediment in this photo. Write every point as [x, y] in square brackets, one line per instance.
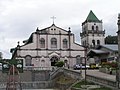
[54, 54]
[53, 29]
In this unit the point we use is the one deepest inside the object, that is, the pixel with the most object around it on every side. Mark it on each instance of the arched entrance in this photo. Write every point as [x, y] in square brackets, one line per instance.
[54, 60]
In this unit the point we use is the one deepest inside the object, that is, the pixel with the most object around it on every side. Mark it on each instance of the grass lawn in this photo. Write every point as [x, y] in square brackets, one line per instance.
[78, 85]
[64, 80]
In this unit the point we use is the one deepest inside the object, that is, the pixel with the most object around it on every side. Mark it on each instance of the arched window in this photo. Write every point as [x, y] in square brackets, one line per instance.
[28, 60]
[98, 42]
[42, 63]
[78, 59]
[65, 43]
[92, 27]
[53, 43]
[42, 43]
[93, 42]
[42, 60]
[83, 43]
[96, 28]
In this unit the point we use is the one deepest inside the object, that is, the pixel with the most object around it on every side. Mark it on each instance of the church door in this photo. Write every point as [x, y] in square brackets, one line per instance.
[54, 60]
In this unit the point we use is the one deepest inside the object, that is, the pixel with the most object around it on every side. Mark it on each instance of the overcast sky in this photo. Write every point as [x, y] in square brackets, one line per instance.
[19, 18]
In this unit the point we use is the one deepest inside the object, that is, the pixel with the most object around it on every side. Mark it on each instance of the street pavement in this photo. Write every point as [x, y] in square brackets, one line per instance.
[96, 73]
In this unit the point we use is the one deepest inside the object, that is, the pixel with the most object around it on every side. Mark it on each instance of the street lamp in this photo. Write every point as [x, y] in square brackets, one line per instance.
[118, 60]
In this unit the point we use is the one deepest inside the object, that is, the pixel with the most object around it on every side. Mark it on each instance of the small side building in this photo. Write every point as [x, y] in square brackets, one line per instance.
[103, 53]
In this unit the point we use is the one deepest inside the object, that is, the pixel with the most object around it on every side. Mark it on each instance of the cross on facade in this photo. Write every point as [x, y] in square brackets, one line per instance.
[53, 19]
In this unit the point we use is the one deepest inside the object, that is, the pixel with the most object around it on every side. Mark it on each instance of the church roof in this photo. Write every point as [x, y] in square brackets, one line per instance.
[92, 17]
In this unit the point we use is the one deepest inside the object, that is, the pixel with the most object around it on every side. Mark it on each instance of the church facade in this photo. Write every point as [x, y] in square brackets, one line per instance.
[47, 46]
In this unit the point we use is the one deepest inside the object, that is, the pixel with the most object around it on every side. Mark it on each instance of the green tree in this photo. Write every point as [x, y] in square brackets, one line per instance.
[111, 39]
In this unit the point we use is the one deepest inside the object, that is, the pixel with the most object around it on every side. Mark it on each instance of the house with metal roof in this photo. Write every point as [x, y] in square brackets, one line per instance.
[104, 53]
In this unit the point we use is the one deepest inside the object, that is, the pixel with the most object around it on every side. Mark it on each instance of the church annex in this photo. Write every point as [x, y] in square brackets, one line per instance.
[47, 46]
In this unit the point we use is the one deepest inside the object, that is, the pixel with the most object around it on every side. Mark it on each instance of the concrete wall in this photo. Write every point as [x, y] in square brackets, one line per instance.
[29, 79]
[35, 79]
[28, 76]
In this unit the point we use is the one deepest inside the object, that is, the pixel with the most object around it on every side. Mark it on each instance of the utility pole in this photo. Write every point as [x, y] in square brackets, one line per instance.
[118, 60]
[85, 63]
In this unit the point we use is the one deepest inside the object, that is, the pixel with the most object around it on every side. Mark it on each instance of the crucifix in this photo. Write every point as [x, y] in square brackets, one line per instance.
[53, 19]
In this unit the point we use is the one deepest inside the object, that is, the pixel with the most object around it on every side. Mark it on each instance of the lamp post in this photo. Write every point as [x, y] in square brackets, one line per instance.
[85, 61]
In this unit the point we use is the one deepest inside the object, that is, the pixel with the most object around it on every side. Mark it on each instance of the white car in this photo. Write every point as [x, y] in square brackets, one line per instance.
[77, 67]
[87, 66]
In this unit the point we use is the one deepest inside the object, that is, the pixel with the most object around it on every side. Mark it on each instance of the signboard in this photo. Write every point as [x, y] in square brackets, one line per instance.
[8, 63]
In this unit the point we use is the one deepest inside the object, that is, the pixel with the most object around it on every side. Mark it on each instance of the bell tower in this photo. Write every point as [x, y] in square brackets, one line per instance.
[92, 31]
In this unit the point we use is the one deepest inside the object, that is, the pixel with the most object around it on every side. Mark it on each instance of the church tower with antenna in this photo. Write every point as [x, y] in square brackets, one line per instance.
[92, 33]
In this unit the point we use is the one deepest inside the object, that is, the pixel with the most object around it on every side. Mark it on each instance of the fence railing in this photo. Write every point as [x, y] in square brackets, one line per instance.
[101, 81]
[37, 68]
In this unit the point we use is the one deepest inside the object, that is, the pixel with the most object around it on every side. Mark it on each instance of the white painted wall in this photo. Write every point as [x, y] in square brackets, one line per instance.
[45, 54]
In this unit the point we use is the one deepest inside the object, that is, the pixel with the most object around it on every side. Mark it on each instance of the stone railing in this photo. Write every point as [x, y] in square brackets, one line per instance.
[73, 74]
[55, 71]
[101, 81]
[37, 68]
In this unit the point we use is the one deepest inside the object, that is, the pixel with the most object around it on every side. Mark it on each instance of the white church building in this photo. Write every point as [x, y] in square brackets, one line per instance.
[47, 46]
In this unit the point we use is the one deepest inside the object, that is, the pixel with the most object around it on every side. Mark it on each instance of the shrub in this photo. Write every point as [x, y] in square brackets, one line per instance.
[59, 64]
[109, 65]
[114, 65]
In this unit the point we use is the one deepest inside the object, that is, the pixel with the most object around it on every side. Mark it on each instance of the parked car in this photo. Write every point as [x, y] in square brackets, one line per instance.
[87, 66]
[77, 67]
[94, 66]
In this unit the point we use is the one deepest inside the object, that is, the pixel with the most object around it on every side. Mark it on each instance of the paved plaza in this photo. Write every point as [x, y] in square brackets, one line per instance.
[96, 73]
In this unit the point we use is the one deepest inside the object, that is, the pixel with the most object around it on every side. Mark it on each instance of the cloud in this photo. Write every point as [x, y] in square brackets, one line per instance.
[19, 18]
[110, 25]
